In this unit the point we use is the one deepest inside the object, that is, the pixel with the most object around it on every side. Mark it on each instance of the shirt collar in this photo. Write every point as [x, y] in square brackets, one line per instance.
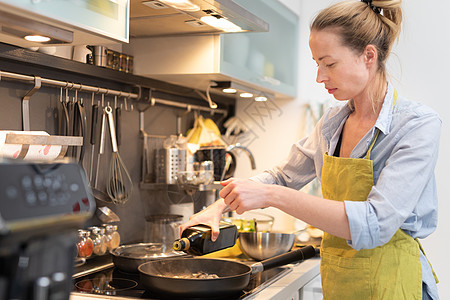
[383, 122]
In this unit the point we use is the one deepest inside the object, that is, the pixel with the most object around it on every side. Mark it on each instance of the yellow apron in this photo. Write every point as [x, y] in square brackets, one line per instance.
[390, 271]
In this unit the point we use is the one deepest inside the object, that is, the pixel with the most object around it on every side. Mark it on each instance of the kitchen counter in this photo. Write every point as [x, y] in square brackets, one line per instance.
[289, 285]
[286, 287]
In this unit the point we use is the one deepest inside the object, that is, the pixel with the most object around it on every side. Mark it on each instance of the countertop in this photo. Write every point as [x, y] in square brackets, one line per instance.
[288, 285]
[283, 288]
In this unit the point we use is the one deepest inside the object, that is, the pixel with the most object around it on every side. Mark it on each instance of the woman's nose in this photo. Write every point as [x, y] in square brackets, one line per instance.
[320, 76]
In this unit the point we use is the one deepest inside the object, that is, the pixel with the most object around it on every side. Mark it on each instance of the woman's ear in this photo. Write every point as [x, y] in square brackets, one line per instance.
[370, 55]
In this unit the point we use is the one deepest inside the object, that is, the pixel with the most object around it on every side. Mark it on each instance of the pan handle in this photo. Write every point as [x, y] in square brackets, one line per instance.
[284, 259]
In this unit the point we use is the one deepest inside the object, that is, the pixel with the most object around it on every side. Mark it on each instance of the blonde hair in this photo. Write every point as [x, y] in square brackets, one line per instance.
[359, 25]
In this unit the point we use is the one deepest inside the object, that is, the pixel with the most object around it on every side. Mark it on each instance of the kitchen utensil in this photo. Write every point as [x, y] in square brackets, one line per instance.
[118, 112]
[169, 162]
[128, 258]
[118, 184]
[163, 229]
[64, 129]
[101, 148]
[174, 277]
[264, 245]
[98, 194]
[106, 215]
[83, 129]
[94, 119]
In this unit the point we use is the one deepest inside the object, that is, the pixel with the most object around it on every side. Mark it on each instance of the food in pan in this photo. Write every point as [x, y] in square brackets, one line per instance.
[199, 275]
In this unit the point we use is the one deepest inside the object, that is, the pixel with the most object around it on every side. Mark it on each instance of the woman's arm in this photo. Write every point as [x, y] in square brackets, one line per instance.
[327, 215]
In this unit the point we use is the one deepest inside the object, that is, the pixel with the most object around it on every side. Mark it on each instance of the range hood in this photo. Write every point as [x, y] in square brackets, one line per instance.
[157, 18]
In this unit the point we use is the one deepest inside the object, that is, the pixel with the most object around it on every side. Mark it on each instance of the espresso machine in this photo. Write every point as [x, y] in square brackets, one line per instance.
[41, 207]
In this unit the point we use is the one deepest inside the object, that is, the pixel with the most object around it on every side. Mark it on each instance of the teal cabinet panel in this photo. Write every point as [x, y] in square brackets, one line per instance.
[267, 59]
[109, 18]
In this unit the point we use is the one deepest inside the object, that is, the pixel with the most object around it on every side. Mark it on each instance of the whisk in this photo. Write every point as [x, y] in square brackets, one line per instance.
[118, 183]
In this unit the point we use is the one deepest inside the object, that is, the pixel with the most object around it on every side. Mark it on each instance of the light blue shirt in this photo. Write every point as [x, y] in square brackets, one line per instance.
[404, 157]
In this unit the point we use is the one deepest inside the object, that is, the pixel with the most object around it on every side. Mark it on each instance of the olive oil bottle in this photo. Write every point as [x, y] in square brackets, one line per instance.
[196, 240]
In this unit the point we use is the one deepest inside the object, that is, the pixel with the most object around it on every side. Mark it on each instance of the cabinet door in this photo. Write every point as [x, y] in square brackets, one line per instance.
[109, 18]
[312, 290]
[267, 59]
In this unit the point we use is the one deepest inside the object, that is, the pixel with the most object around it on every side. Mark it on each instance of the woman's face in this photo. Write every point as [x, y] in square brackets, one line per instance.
[344, 73]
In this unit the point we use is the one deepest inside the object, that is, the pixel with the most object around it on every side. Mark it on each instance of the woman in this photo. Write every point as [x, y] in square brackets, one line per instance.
[375, 156]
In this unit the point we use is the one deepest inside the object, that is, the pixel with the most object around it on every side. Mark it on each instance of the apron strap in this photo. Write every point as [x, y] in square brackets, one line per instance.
[378, 130]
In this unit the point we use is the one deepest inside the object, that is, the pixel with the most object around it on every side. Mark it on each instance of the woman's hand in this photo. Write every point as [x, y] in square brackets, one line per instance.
[242, 195]
[210, 216]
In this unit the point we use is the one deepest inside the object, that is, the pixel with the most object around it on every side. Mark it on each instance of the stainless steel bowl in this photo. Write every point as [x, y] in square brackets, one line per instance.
[263, 245]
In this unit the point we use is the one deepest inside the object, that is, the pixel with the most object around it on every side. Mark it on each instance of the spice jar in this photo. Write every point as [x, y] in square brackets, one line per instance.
[99, 240]
[85, 245]
[112, 236]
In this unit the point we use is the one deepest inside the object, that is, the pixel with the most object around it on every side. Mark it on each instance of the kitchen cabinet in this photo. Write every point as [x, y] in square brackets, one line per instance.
[264, 61]
[90, 18]
[268, 59]
[312, 290]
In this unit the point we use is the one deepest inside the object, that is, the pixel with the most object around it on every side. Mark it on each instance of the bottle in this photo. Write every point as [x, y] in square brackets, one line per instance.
[196, 240]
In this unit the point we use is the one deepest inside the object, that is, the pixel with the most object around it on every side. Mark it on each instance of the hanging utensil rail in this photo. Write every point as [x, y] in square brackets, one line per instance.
[154, 101]
[66, 84]
[100, 90]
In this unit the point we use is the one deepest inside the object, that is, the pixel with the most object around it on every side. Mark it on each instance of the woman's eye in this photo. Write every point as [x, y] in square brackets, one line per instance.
[330, 65]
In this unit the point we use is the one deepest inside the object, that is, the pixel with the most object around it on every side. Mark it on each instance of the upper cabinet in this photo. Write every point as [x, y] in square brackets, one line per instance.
[268, 59]
[262, 61]
[70, 22]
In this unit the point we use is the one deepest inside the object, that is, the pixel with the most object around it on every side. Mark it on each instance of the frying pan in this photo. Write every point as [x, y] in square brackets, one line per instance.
[128, 258]
[173, 277]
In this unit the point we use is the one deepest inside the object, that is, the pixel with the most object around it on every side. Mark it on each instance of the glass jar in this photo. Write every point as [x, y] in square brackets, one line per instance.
[99, 240]
[85, 245]
[129, 68]
[162, 228]
[112, 236]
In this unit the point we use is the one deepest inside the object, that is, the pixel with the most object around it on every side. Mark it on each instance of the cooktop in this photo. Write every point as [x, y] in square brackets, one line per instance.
[110, 281]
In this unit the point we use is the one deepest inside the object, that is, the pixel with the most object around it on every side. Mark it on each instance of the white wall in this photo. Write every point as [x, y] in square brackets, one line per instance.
[419, 67]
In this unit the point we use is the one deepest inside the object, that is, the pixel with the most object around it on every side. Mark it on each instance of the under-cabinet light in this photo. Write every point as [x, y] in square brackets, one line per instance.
[37, 38]
[220, 23]
[24, 28]
[260, 98]
[184, 5]
[246, 95]
[229, 90]
[244, 91]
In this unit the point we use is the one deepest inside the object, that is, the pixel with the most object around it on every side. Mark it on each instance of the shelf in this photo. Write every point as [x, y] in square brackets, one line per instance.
[17, 59]
[175, 187]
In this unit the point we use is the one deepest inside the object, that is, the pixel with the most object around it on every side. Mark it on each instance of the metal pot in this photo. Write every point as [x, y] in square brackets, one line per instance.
[264, 245]
[173, 277]
[128, 258]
